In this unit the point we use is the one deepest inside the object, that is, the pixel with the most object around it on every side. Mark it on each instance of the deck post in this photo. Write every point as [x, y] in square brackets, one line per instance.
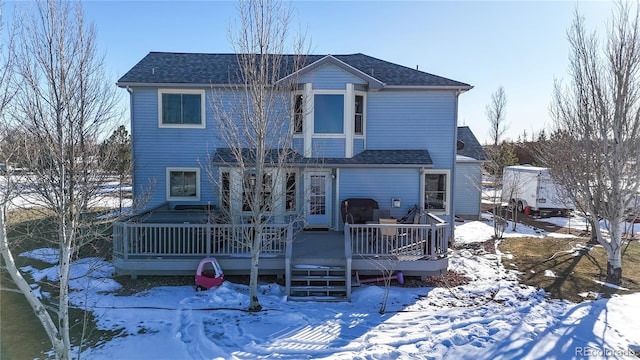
[288, 247]
[347, 255]
[208, 239]
[125, 241]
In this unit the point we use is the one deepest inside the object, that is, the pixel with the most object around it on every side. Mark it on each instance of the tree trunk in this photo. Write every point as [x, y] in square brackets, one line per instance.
[614, 273]
[614, 252]
[254, 304]
[38, 308]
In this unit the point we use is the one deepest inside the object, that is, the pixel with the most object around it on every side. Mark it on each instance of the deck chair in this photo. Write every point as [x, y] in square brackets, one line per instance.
[388, 234]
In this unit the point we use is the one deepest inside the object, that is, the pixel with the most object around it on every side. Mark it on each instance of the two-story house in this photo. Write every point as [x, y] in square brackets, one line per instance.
[361, 128]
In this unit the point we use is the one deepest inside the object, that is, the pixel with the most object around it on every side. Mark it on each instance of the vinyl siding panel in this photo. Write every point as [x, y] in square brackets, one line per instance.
[330, 77]
[298, 145]
[328, 147]
[467, 184]
[413, 120]
[382, 185]
[156, 148]
[358, 146]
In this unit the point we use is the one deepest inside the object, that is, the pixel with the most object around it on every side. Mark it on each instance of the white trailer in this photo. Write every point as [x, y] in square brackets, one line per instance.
[531, 189]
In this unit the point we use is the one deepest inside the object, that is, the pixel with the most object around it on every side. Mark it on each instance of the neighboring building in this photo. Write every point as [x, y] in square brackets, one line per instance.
[468, 178]
[374, 129]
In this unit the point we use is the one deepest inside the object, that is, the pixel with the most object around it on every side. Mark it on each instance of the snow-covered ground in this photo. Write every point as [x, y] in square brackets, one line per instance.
[492, 317]
[107, 194]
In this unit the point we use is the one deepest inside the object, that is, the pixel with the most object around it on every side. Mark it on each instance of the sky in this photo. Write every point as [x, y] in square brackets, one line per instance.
[519, 45]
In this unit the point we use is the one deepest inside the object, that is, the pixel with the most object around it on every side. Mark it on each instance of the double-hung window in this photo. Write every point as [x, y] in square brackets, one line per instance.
[181, 108]
[358, 123]
[183, 184]
[298, 113]
[436, 191]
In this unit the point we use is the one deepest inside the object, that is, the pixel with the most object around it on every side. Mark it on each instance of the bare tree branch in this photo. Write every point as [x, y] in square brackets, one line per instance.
[595, 148]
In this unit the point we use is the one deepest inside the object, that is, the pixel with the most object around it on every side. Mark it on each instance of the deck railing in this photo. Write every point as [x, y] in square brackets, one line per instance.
[419, 241]
[186, 240]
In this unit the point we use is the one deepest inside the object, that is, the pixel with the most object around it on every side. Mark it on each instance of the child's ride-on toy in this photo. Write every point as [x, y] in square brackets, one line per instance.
[209, 274]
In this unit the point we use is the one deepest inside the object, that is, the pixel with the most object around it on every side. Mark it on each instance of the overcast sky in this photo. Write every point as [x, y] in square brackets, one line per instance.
[519, 45]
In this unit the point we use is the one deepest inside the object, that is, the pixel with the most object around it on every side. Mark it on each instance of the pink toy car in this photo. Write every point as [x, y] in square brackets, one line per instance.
[209, 274]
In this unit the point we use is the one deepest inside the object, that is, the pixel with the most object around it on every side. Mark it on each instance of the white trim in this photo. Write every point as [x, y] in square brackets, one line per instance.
[447, 203]
[168, 172]
[203, 119]
[349, 118]
[336, 205]
[329, 136]
[307, 119]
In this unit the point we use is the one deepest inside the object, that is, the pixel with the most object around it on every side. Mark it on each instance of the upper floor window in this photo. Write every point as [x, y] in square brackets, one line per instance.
[328, 114]
[327, 109]
[298, 113]
[183, 184]
[181, 108]
[358, 124]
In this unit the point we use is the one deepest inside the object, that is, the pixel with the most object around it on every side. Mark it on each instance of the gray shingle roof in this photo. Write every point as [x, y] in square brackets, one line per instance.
[472, 147]
[222, 69]
[384, 158]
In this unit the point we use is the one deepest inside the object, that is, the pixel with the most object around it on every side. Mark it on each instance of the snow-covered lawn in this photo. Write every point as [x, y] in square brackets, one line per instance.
[492, 317]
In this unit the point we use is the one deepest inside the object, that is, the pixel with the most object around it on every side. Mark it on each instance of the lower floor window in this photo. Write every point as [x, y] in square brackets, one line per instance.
[436, 192]
[250, 187]
[277, 191]
[183, 184]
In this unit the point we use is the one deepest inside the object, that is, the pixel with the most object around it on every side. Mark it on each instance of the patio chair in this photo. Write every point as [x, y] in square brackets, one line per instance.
[388, 234]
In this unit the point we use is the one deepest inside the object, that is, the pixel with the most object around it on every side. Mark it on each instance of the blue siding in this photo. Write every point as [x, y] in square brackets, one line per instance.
[413, 120]
[330, 77]
[156, 148]
[298, 145]
[382, 185]
[328, 147]
[358, 146]
[467, 184]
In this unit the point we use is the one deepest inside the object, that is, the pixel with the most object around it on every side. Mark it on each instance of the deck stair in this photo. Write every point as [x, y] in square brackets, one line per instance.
[318, 283]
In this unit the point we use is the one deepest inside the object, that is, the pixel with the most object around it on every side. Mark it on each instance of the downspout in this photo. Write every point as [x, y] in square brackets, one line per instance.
[452, 181]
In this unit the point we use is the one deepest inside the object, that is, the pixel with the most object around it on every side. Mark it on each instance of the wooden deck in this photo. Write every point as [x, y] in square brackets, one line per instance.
[141, 248]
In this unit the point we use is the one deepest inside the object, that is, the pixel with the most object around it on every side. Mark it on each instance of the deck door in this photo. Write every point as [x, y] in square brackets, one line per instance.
[318, 204]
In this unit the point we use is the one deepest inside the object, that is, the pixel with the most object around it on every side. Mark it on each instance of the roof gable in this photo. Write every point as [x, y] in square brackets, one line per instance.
[330, 60]
[160, 68]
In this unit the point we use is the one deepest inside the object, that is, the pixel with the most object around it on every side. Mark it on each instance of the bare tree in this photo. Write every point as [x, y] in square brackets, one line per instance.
[595, 149]
[254, 122]
[496, 112]
[501, 154]
[63, 103]
[115, 157]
